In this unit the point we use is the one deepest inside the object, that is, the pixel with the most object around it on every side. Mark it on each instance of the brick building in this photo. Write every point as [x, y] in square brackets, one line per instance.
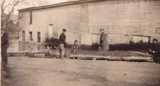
[122, 20]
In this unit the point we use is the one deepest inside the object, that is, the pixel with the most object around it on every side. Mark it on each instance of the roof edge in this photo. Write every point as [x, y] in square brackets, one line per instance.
[59, 5]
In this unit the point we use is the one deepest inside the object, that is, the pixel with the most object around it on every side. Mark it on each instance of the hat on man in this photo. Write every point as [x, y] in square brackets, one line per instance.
[101, 30]
[64, 30]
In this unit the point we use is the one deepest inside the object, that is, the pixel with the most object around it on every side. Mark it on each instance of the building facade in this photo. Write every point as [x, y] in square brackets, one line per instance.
[122, 20]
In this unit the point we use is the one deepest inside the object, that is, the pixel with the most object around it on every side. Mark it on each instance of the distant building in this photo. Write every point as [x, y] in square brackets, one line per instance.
[122, 20]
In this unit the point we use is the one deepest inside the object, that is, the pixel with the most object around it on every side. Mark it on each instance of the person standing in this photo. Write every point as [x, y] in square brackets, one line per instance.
[62, 43]
[155, 51]
[75, 47]
[4, 47]
[103, 40]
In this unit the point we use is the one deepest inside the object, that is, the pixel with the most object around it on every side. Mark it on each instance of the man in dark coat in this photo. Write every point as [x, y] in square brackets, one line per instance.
[62, 43]
[102, 38]
[4, 46]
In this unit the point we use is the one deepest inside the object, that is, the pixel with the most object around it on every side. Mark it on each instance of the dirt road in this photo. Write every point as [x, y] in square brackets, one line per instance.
[25, 71]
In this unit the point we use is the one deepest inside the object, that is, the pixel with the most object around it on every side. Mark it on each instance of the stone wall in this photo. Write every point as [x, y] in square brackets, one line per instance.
[122, 20]
[30, 46]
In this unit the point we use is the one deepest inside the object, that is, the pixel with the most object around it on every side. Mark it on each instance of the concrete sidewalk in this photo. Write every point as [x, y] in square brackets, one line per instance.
[111, 58]
[135, 57]
[96, 57]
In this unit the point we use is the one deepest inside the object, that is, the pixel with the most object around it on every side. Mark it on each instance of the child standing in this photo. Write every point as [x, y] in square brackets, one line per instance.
[75, 47]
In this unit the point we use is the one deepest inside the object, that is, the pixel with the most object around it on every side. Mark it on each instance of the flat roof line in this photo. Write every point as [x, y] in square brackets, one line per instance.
[59, 5]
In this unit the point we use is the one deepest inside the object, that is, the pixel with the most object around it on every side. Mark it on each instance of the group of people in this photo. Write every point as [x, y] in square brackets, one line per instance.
[62, 44]
[75, 48]
[154, 49]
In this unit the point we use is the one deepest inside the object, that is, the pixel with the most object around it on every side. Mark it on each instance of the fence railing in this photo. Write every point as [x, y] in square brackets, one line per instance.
[30, 46]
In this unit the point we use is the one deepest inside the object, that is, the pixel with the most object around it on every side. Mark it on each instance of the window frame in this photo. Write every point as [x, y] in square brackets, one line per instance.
[23, 35]
[157, 30]
[31, 36]
[30, 17]
[39, 37]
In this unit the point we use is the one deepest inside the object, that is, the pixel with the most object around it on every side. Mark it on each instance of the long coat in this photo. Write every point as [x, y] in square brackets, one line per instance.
[104, 41]
[4, 46]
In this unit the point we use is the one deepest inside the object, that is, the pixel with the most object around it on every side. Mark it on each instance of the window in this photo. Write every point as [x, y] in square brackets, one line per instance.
[38, 36]
[20, 15]
[157, 30]
[23, 35]
[137, 39]
[31, 36]
[30, 17]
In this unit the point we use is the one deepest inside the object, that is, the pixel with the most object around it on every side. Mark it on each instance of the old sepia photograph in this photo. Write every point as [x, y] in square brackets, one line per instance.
[80, 42]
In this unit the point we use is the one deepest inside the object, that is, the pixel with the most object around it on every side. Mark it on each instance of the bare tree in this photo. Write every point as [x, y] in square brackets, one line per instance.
[7, 9]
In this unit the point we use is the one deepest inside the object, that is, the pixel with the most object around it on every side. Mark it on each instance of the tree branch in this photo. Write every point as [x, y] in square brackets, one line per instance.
[8, 7]
[2, 3]
[7, 4]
